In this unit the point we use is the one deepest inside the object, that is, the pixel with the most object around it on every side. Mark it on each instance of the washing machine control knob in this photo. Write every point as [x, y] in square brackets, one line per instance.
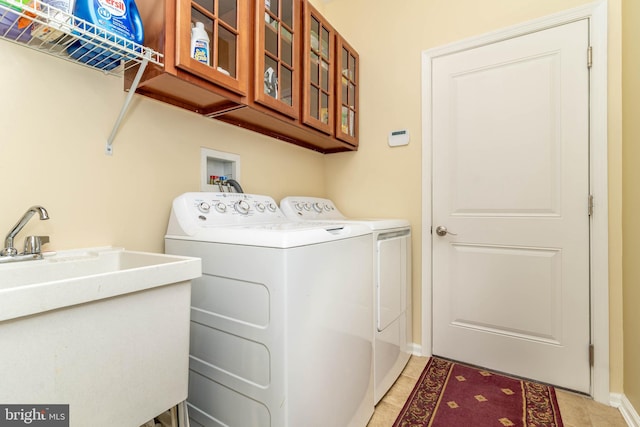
[204, 207]
[242, 207]
[298, 205]
[307, 206]
[272, 207]
[221, 207]
[317, 206]
[260, 207]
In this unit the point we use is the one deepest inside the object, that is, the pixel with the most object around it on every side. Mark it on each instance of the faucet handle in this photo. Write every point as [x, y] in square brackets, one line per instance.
[33, 244]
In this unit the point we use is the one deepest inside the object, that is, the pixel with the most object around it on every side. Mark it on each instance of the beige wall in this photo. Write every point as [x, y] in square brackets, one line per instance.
[383, 181]
[55, 118]
[631, 197]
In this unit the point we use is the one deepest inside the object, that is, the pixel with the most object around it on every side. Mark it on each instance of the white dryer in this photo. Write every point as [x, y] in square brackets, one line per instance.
[391, 284]
[280, 319]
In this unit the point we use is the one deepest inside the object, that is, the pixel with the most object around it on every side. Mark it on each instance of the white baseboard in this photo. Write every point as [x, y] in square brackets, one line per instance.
[627, 410]
[416, 350]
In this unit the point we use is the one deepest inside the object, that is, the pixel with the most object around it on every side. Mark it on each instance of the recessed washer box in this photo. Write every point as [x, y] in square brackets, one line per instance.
[217, 163]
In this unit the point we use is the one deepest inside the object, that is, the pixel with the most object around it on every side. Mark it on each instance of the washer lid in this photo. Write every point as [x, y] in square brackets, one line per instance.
[277, 235]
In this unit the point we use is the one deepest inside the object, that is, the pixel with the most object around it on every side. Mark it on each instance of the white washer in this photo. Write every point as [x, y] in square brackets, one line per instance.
[280, 319]
[391, 284]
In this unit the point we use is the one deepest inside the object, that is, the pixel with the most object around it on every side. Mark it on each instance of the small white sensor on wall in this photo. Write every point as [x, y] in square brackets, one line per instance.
[398, 137]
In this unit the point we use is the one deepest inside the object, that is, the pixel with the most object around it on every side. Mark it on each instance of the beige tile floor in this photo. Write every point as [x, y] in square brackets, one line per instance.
[576, 410]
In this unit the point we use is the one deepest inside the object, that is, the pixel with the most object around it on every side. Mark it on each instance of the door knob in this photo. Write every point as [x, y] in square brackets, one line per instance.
[441, 230]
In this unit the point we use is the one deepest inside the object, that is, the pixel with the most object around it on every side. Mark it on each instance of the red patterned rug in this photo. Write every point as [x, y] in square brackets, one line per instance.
[453, 395]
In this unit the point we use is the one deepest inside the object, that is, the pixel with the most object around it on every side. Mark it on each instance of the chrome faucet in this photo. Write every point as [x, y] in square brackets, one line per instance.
[9, 250]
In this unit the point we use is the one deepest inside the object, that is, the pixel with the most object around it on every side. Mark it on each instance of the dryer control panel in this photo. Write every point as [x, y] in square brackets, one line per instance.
[310, 208]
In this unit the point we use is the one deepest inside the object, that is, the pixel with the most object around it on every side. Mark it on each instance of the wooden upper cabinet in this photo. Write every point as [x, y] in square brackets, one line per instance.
[227, 23]
[318, 85]
[275, 67]
[347, 92]
[277, 55]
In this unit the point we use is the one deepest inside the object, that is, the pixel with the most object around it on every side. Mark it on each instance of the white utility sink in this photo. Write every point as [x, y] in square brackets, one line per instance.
[104, 330]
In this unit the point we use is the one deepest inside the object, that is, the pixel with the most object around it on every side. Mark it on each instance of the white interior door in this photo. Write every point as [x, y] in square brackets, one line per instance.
[511, 180]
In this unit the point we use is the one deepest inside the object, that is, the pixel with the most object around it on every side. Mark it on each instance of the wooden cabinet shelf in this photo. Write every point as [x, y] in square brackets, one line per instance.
[260, 74]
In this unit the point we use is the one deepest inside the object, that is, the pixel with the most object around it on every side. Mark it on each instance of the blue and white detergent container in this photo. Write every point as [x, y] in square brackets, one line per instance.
[119, 17]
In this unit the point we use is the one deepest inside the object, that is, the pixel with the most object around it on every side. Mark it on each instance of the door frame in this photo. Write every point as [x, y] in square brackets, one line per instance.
[596, 12]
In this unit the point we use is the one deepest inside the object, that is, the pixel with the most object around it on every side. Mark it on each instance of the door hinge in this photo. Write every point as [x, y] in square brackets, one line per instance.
[589, 57]
[590, 205]
[591, 356]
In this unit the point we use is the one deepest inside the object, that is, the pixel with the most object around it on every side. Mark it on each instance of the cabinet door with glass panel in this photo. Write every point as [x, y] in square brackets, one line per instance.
[347, 92]
[319, 61]
[277, 61]
[222, 59]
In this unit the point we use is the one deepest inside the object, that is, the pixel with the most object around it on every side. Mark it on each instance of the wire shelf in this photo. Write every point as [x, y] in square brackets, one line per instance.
[50, 30]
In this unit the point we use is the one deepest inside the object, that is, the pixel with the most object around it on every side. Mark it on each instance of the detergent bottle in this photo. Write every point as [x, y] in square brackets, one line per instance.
[58, 21]
[119, 17]
[200, 43]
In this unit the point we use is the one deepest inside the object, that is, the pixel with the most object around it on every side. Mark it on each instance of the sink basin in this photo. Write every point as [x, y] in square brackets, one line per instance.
[66, 278]
[104, 330]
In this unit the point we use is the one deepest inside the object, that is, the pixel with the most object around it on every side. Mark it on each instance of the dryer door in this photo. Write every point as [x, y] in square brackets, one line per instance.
[392, 252]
